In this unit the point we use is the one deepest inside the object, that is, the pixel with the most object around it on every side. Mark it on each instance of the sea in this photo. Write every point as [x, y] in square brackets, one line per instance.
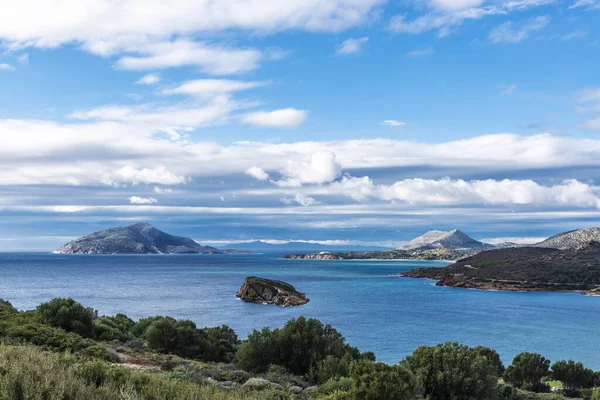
[364, 300]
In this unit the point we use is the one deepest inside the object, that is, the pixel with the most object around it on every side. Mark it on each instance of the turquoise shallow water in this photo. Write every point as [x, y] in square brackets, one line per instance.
[362, 299]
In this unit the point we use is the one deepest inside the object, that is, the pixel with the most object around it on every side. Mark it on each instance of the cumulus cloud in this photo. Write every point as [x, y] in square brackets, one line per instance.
[393, 123]
[257, 173]
[510, 32]
[212, 87]
[283, 118]
[351, 46]
[446, 191]
[6, 67]
[142, 200]
[149, 79]
[321, 167]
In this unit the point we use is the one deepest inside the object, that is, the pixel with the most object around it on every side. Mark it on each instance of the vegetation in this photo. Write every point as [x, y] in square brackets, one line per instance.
[114, 357]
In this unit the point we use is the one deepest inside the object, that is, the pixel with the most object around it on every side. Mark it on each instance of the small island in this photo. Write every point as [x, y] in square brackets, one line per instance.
[267, 291]
[531, 269]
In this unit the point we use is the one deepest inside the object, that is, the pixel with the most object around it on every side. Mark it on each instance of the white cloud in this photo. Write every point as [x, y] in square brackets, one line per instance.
[321, 167]
[454, 5]
[212, 59]
[590, 100]
[6, 67]
[393, 123]
[427, 51]
[283, 118]
[591, 4]
[446, 22]
[257, 173]
[301, 199]
[161, 175]
[149, 79]
[154, 34]
[161, 190]
[351, 46]
[508, 32]
[142, 200]
[211, 87]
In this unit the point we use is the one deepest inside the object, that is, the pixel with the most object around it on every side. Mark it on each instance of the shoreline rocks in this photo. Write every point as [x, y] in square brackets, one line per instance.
[267, 291]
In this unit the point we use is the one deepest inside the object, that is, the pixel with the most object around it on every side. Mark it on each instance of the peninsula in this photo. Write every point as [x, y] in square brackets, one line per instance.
[531, 269]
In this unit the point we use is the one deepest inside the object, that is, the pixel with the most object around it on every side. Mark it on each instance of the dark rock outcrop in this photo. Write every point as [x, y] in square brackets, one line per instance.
[138, 238]
[267, 291]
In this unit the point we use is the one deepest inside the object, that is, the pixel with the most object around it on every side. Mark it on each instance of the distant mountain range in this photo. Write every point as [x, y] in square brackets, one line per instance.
[260, 246]
[451, 240]
[138, 238]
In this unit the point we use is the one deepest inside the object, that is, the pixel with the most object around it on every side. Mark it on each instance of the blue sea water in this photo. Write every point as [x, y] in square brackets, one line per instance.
[364, 300]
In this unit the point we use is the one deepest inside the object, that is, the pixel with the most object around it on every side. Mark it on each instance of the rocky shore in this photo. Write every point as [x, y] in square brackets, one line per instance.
[267, 291]
[431, 254]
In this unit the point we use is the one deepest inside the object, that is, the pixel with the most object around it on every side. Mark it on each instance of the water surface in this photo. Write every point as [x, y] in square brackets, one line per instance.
[372, 308]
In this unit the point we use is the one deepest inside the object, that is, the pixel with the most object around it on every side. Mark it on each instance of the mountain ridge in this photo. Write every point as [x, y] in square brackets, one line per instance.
[571, 239]
[452, 240]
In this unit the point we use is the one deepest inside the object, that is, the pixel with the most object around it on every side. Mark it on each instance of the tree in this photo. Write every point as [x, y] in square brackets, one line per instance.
[68, 315]
[572, 374]
[257, 352]
[6, 307]
[221, 344]
[451, 372]
[111, 328]
[379, 381]
[527, 370]
[180, 337]
[493, 356]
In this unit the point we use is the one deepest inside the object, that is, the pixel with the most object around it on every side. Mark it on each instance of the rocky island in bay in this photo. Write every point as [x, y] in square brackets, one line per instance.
[268, 291]
[140, 238]
[572, 266]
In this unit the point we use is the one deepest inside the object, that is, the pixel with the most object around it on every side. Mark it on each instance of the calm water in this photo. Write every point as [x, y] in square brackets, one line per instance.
[373, 309]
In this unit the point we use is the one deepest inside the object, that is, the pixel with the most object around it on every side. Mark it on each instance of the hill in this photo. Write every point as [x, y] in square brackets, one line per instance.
[138, 238]
[452, 240]
[571, 239]
[523, 269]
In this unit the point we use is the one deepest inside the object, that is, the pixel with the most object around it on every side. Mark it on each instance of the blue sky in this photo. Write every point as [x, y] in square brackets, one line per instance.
[360, 121]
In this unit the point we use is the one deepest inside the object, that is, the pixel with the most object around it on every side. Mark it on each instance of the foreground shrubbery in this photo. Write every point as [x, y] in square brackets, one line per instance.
[181, 361]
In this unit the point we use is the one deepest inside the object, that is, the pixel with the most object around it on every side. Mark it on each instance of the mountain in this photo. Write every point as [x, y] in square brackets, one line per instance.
[453, 240]
[571, 239]
[138, 238]
[523, 269]
[260, 246]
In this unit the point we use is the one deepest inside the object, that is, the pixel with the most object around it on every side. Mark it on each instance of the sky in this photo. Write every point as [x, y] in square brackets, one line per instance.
[340, 121]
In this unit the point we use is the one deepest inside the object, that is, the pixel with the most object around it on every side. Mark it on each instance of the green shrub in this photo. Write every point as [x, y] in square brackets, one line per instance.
[114, 328]
[6, 307]
[47, 337]
[68, 315]
[180, 337]
[596, 394]
[527, 370]
[451, 371]
[341, 384]
[572, 374]
[379, 381]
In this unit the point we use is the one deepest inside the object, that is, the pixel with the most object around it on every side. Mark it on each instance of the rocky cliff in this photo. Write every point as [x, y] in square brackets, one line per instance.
[138, 238]
[267, 291]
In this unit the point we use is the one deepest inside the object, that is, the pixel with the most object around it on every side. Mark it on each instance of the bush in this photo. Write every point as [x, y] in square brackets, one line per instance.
[379, 381]
[573, 375]
[47, 337]
[6, 307]
[527, 370]
[68, 315]
[114, 328]
[221, 344]
[596, 394]
[168, 335]
[452, 371]
[299, 347]
[492, 356]
[331, 367]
